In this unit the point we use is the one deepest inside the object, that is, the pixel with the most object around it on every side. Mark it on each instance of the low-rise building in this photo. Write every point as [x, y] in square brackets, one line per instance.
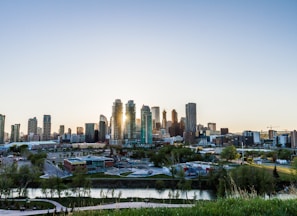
[92, 164]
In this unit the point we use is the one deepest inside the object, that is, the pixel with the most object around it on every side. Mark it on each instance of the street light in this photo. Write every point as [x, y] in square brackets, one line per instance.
[242, 152]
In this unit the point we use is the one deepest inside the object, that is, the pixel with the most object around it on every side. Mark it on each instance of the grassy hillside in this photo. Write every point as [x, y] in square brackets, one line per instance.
[230, 207]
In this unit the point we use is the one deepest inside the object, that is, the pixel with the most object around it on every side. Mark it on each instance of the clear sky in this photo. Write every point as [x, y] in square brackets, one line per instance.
[237, 60]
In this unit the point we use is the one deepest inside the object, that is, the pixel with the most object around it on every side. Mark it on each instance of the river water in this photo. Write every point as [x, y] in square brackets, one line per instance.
[133, 193]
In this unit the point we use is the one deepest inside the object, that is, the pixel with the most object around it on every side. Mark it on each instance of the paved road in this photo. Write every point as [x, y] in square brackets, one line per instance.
[59, 207]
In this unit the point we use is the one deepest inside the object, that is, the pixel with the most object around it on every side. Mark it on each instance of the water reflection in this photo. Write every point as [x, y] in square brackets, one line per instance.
[133, 193]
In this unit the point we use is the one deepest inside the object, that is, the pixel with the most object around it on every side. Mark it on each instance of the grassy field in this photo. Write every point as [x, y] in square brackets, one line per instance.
[285, 173]
[16, 205]
[221, 207]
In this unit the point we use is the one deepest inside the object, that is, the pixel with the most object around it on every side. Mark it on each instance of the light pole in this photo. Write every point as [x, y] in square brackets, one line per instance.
[242, 152]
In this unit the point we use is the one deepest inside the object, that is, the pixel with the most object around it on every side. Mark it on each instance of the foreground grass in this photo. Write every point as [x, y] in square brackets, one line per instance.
[230, 207]
[88, 201]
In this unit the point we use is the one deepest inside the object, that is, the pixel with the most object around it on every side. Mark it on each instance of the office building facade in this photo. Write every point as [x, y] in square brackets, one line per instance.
[46, 128]
[117, 123]
[191, 117]
[32, 126]
[130, 121]
[156, 118]
[103, 128]
[164, 119]
[15, 133]
[146, 125]
[2, 128]
[62, 130]
[212, 126]
[90, 132]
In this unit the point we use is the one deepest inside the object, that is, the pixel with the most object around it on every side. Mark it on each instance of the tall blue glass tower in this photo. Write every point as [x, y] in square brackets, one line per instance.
[146, 125]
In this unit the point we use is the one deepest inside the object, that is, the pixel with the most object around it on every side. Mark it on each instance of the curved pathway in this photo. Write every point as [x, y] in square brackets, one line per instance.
[59, 207]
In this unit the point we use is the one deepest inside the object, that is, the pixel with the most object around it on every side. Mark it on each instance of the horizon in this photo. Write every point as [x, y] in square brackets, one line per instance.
[72, 59]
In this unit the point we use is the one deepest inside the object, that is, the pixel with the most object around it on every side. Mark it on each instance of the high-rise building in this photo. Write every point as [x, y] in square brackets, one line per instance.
[32, 126]
[272, 134]
[212, 126]
[103, 128]
[138, 128]
[174, 116]
[2, 127]
[117, 123]
[175, 128]
[294, 139]
[146, 125]
[69, 131]
[191, 117]
[164, 119]
[15, 133]
[156, 117]
[46, 128]
[191, 123]
[62, 130]
[224, 131]
[79, 130]
[130, 121]
[90, 132]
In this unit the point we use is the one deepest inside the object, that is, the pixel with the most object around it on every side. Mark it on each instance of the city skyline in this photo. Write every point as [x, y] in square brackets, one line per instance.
[72, 59]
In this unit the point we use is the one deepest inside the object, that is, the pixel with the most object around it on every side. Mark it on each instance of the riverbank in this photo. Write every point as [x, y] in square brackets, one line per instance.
[159, 183]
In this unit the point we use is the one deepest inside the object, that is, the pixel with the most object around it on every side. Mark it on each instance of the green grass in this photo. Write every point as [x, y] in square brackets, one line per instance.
[87, 201]
[15, 205]
[285, 174]
[221, 207]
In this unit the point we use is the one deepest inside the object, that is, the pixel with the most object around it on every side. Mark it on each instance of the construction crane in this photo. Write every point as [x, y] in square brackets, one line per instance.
[270, 127]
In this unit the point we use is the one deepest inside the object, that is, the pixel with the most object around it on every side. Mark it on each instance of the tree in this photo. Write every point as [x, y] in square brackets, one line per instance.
[248, 178]
[80, 184]
[23, 178]
[229, 153]
[275, 173]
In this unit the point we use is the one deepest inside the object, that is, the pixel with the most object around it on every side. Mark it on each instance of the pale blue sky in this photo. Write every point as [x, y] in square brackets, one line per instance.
[71, 59]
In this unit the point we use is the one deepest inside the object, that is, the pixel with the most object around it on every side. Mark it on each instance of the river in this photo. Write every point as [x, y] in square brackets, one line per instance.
[133, 193]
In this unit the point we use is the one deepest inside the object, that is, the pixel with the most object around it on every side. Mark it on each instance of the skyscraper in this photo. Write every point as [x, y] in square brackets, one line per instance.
[15, 133]
[174, 116]
[191, 123]
[212, 126]
[293, 139]
[90, 132]
[191, 117]
[156, 118]
[103, 128]
[130, 122]
[62, 130]
[174, 129]
[46, 128]
[146, 125]
[2, 126]
[164, 120]
[117, 122]
[32, 126]
[79, 130]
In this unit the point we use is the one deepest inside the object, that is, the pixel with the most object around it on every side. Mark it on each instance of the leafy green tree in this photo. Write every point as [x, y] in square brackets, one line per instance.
[284, 154]
[23, 178]
[6, 185]
[229, 153]
[80, 183]
[37, 160]
[248, 178]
